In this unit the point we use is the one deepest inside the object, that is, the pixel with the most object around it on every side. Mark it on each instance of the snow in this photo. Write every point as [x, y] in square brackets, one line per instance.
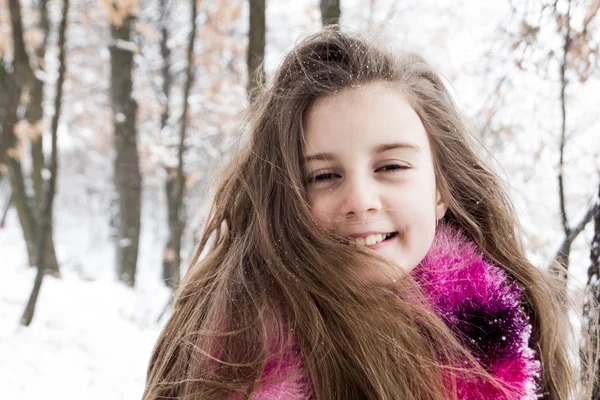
[91, 337]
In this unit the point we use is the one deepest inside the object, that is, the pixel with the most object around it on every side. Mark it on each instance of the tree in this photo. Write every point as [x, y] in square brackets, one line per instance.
[5, 84]
[176, 177]
[165, 53]
[330, 12]
[167, 79]
[573, 55]
[45, 223]
[550, 43]
[575, 60]
[590, 312]
[256, 48]
[126, 165]
[6, 88]
[26, 84]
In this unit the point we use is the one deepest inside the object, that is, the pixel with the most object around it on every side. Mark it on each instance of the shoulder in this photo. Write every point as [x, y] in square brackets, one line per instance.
[480, 302]
[283, 378]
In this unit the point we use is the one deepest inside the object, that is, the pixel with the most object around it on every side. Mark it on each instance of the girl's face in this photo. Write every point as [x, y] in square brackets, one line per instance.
[370, 175]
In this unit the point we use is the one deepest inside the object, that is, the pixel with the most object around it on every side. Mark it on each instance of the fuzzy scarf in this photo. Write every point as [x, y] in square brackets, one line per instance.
[478, 301]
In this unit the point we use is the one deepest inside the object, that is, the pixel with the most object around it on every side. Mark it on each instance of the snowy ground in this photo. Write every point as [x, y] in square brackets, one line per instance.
[91, 337]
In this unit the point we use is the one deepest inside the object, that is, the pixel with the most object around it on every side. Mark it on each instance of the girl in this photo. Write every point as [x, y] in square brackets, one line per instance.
[360, 249]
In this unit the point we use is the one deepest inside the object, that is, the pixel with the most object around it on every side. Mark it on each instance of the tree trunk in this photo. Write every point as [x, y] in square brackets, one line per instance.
[22, 203]
[45, 224]
[165, 52]
[169, 252]
[34, 116]
[14, 84]
[6, 81]
[4, 212]
[126, 168]
[172, 252]
[562, 269]
[23, 78]
[330, 12]
[176, 188]
[256, 48]
[591, 314]
[17, 181]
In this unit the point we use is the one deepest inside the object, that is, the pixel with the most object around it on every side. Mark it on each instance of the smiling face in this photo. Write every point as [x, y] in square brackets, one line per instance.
[370, 175]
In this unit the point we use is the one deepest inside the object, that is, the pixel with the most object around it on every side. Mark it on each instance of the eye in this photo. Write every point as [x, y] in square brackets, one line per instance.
[392, 168]
[320, 178]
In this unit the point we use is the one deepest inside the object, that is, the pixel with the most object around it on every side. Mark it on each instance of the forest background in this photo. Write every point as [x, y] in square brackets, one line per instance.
[116, 115]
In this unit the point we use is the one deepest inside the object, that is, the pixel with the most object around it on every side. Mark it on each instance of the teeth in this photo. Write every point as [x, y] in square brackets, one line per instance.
[368, 240]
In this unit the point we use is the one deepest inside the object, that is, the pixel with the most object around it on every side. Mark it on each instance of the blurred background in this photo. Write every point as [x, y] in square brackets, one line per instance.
[116, 116]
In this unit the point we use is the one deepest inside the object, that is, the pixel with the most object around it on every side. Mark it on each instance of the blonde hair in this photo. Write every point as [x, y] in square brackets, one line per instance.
[273, 282]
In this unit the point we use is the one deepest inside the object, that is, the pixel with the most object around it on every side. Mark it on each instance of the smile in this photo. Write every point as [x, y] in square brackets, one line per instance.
[372, 240]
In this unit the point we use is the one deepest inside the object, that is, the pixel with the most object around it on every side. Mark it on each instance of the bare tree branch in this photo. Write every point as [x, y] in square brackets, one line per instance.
[563, 130]
[391, 14]
[581, 225]
[562, 255]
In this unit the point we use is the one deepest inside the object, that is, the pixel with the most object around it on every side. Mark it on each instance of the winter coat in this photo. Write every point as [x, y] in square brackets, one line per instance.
[473, 297]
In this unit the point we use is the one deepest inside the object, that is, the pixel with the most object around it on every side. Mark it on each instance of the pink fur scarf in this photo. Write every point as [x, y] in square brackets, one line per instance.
[476, 299]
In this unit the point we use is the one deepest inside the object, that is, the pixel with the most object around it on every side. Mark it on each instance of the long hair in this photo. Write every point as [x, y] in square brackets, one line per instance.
[272, 281]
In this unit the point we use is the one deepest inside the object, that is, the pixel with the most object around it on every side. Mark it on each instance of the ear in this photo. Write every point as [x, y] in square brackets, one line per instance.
[440, 207]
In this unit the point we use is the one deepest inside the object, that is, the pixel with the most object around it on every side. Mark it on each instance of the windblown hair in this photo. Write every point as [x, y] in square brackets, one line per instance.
[272, 281]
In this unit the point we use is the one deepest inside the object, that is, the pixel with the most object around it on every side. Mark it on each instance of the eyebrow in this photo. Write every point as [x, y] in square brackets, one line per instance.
[378, 149]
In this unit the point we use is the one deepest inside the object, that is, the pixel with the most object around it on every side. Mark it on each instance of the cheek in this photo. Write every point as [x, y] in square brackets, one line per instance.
[320, 210]
[418, 229]
[415, 244]
[423, 227]
[416, 219]
[416, 205]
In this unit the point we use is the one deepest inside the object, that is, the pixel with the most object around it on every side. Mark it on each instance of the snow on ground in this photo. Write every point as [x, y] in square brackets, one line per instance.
[91, 337]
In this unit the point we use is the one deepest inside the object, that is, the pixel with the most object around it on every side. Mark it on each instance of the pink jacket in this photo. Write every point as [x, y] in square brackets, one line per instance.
[477, 297]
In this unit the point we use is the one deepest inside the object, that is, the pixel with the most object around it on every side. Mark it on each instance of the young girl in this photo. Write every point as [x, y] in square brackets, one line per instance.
[360, 249]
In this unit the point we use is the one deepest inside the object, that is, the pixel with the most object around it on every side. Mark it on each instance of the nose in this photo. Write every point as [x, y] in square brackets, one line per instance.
[359, 196]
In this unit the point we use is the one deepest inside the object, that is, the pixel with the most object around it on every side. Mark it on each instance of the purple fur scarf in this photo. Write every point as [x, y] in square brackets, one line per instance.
[477, 300]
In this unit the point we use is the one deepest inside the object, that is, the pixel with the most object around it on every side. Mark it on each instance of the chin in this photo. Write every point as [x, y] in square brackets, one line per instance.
[380, 278]
[405, 265]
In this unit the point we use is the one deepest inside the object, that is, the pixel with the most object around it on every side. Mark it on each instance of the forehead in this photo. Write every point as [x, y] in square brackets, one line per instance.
[361, 118]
